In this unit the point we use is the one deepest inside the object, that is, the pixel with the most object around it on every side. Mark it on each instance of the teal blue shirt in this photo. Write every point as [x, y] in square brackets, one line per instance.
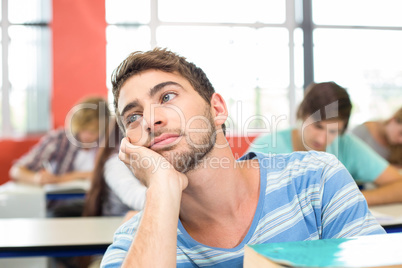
[362, 162]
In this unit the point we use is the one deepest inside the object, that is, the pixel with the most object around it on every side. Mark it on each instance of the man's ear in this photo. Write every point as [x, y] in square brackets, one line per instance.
[220, 111]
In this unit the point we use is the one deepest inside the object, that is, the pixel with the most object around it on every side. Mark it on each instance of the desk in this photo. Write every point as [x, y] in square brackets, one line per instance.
[389, 216]
[56, 236]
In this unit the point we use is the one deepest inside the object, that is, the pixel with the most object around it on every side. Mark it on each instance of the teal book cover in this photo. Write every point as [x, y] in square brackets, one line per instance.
[365, 251]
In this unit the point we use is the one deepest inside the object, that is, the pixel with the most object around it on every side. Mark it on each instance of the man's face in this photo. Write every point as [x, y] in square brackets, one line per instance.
[317, 135]
[393, 131]
[89, 134]
[163, 112]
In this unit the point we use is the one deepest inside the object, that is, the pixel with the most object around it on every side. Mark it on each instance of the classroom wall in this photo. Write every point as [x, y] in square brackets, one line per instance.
[79, 53]
[10, 150]
[79, 66]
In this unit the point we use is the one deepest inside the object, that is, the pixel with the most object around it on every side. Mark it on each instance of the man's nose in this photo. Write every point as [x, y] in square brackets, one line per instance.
[154, 118]
[322, 137]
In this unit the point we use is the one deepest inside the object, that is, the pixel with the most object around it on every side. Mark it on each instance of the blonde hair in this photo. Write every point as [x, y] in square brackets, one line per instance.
[90, 112]
[395, 156]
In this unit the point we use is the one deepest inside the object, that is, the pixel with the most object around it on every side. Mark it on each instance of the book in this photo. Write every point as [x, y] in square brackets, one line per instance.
[364, 251]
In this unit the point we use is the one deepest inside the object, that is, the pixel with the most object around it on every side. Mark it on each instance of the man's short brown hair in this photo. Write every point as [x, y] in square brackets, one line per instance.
[163, 60]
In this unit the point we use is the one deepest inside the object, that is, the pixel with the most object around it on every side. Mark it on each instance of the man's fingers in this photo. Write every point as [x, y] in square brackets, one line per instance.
[126, 146]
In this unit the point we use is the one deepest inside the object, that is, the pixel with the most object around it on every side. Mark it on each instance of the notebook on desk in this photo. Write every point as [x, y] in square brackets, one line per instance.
[364, 251]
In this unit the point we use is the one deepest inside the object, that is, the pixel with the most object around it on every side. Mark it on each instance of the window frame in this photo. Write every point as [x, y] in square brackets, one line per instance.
[7, 129]
[290, 24]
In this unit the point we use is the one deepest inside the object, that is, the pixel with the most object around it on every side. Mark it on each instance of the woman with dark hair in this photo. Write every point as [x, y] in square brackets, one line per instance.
[384, 137]
[114, 190]
[323, 117]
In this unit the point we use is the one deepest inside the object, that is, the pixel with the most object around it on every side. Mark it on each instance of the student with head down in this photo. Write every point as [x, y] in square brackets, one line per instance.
[384, 137]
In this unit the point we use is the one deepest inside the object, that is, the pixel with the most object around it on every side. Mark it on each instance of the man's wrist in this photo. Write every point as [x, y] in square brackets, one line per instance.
[163, 191]
[37, 178]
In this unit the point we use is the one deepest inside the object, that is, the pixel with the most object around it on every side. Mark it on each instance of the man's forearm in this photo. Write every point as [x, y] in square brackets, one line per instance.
[23, 174]
[384, 194]
[75, 175]
[154, 244]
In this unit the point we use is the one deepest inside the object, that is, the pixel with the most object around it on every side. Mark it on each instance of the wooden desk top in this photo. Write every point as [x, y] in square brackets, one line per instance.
[54, 232]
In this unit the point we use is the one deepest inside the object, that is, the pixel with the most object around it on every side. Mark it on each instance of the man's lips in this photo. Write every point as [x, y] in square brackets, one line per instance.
[163, 140]
[317, 145]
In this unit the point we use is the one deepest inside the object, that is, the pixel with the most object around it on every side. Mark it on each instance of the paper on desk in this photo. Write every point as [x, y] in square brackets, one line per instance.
[71, 186]
[381, 216]
[387, 214]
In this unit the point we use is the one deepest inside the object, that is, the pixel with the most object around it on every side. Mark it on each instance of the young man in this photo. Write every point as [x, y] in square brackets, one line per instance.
[323, 117]
[203, 206]
[66, 154]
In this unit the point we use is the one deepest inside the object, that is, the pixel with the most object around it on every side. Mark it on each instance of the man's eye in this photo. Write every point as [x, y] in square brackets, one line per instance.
[318, 126]
[168, 97]
[132, 118]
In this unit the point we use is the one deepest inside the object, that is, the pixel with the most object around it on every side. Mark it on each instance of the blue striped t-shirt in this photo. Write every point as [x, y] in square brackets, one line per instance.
[303, 196]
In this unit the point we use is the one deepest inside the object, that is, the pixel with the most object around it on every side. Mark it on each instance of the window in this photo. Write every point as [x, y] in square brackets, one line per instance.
[250, 50]
[260, 54]
[26, 65]
[359, 47]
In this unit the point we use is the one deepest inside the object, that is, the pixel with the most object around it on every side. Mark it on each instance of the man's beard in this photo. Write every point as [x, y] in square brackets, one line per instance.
[185, 161]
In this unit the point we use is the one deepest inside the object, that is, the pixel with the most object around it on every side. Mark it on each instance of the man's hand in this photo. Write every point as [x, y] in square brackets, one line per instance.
[43, 177]
[155, 242]
[150, 167]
